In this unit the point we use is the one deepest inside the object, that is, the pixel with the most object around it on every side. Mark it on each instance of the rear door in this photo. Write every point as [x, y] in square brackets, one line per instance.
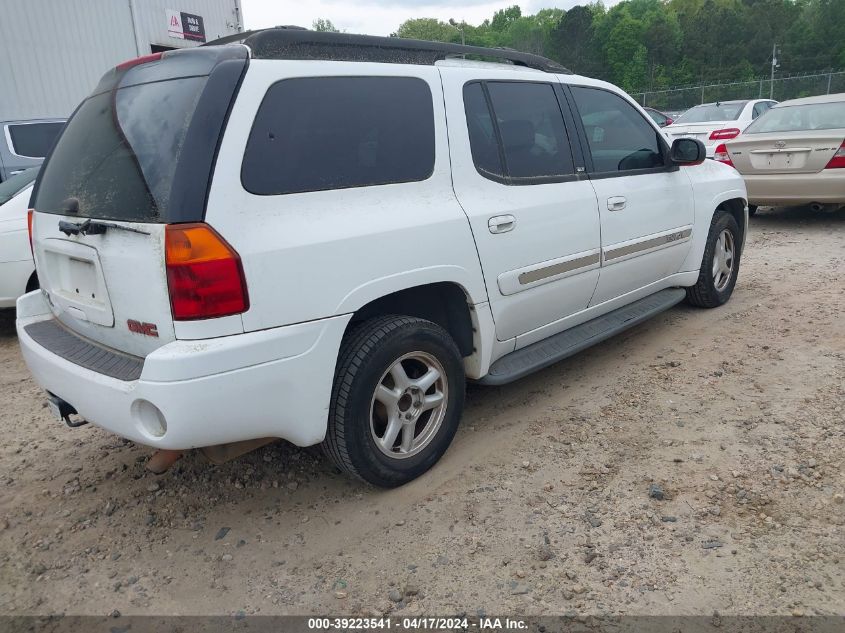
[135, 156]
[532, 214]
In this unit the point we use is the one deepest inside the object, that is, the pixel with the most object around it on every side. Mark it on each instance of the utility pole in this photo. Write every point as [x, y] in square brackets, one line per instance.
[774, 65]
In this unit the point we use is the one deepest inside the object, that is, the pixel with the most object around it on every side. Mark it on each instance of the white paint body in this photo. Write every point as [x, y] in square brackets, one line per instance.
[311, 260]
[16, 265]
[702, 131]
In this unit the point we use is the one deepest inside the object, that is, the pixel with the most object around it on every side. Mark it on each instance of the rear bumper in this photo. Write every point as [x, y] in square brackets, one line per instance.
[826, 187]
[272, 383]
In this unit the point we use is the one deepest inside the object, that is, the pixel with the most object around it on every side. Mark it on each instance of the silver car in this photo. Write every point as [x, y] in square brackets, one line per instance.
[25, 144]
[794, 154]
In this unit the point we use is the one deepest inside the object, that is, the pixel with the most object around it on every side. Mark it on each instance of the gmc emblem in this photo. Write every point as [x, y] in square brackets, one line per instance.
[147, 329]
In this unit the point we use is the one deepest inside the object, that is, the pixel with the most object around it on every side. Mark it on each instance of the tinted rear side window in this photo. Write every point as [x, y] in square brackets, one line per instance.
[532, 130]
[318, 133]
[525, 140]
[117, 157]
[33, 140]
[482, 133]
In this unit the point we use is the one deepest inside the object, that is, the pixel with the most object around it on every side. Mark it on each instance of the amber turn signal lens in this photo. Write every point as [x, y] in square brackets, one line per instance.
[204, 273]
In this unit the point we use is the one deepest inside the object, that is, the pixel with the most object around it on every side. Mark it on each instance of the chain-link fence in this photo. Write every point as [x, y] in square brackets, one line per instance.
[781, 89]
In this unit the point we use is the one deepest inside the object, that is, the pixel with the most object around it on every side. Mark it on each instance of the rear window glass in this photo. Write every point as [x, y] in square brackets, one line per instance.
[33, 140]
[117, 157]
[319, 133]
[814, 116]
[12, 186]
[712, 112]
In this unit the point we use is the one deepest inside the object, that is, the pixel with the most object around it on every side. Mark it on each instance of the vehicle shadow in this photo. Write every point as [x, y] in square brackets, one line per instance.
[7, 323]
[773, 217]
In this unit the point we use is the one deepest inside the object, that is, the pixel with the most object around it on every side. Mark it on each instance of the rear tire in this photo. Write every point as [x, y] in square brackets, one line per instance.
[397, 399]
[720, 264]
[752, 209]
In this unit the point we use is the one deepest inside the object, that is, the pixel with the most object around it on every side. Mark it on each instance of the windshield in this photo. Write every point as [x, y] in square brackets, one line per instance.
[17, 183]
[117, 156]
[712, 112]
[812, 116]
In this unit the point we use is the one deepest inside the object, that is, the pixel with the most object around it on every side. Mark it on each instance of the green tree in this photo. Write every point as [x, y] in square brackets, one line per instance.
[429, 29]
[324, 26]
[503, 18]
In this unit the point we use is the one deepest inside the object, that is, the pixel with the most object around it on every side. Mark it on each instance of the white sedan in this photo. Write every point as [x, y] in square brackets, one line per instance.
[715, 123]
[17, 272]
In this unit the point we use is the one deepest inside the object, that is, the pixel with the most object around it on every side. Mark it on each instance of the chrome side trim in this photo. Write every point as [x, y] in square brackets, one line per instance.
[558, 269]
[650, 243]
[551, 270]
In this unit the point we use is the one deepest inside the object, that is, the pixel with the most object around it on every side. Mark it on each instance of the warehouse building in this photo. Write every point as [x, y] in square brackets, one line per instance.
[55, 51]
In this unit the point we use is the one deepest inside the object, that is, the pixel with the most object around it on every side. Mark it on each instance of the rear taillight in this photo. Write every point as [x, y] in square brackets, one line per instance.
[838, 160]
[30, 217]
[721, 155]
[137, 61]
[669, 121]
[204, 273]
[724, 135]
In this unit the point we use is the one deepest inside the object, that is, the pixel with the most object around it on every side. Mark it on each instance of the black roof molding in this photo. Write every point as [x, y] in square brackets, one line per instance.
[290, 42]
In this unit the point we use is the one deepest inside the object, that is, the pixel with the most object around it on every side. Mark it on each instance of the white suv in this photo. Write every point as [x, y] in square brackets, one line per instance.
[319, 237]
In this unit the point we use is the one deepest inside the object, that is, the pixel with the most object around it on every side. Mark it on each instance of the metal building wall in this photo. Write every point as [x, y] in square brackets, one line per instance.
[219, 17]
[53, 52]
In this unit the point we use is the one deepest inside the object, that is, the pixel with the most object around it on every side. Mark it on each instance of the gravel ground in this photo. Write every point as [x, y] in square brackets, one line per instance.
[693, 464]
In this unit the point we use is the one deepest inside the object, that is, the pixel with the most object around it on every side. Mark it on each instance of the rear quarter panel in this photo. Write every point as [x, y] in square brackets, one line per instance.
[313, 255]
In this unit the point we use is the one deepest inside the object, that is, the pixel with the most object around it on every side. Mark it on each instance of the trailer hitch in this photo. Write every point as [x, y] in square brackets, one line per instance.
[63, 410]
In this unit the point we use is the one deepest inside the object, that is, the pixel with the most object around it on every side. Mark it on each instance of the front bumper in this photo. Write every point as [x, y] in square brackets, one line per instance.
[773, 190]
[271, 383]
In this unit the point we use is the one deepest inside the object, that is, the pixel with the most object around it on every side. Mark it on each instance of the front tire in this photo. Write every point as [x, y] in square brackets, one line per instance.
[720, 264]
[397, 399]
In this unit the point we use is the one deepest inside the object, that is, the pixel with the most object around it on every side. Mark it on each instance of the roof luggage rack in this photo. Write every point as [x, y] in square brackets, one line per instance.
[291, 42]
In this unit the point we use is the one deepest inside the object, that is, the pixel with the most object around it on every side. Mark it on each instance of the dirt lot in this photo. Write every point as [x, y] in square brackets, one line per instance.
[545, 504]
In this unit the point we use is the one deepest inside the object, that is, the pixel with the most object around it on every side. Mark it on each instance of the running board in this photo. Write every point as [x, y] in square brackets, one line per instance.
[569, 342]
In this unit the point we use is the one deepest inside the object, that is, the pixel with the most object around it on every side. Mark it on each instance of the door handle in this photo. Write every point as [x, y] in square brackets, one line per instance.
[616, 203]
[501, 223]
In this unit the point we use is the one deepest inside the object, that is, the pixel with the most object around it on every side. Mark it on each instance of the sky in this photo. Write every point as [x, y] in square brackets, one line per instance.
[382, 17]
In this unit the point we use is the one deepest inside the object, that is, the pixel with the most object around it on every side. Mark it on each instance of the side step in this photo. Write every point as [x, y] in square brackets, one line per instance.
[563, 345]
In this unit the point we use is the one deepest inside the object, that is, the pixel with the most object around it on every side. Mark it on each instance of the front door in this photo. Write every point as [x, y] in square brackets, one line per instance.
[535, 222]
[646, 205]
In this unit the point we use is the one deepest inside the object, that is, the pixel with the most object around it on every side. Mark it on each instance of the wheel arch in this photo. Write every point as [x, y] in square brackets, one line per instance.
[738, 208]
[445, 303]
[732, 201]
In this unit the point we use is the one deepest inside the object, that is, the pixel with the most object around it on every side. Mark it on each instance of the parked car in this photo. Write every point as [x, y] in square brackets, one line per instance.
[17, 270]
[659, 117]
[793, 155]
[26, 143]
[715, 123]
[325, 250]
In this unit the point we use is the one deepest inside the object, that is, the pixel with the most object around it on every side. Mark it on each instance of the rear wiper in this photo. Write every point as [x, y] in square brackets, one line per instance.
[93, 227]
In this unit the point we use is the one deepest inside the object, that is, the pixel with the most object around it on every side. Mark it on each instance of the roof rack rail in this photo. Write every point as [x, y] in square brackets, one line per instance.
[291, 42]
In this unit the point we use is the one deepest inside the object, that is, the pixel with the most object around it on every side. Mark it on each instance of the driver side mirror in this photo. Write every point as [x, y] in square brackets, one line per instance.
[687, 151]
